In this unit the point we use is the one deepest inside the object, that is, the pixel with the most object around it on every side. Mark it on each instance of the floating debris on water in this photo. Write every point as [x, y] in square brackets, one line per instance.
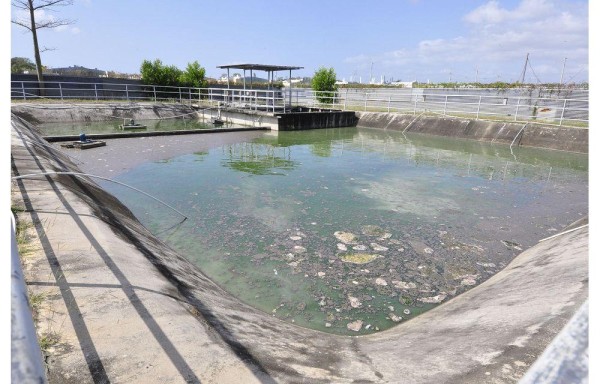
[345, 237]
[355, 325]
[359, 258]
[513, 245]
[354, 302]
[404, 284]
[299, 249]
[378, 248]
[373, 230]
[433, 299]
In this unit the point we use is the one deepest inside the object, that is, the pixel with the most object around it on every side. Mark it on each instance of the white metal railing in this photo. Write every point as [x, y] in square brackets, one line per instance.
[471, 103]
[550, 110]
[26, 356]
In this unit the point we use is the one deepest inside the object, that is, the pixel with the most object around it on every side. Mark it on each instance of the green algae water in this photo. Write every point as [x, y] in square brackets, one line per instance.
[352, 230]
[171, 124]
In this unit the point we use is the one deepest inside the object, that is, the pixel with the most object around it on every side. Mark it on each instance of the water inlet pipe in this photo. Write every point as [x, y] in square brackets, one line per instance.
[518, 134]
[411, 123]
[80, 174]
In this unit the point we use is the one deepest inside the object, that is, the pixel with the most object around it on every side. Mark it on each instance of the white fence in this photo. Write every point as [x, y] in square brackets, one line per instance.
[571, 109]
[551, 110]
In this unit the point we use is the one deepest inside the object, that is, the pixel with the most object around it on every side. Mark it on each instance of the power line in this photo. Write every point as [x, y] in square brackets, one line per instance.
[537, 78]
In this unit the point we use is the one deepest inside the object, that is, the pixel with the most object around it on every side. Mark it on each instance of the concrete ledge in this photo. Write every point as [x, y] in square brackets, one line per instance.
[36, 113]
[98, 136]
[533, 135]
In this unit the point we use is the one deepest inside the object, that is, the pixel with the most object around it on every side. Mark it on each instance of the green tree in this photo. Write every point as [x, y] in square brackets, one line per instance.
[21, 64]
[193, 76]
[151, 71]
[323, 83]
[154, 72]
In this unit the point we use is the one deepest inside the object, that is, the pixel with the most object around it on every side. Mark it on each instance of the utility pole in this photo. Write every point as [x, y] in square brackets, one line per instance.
[562, 73]
[524, 69]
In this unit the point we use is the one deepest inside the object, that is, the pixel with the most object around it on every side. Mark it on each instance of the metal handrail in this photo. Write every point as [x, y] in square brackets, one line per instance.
[525, 107]
[27, 364]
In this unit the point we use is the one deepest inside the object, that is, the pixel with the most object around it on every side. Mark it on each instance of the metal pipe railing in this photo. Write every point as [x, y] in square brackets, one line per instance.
[27, 364]
[478, 104]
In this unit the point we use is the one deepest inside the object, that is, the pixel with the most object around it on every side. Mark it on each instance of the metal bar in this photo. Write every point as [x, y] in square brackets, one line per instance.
[517, 111]
[445, 104]
[126, 92]
[562, 114]
[96, 91]
[478, 108]
[23, 89]
[60, 89]
[26, 356]
[98, 177]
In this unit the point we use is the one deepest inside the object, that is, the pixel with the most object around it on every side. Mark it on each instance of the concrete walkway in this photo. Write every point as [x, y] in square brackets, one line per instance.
[122, 307]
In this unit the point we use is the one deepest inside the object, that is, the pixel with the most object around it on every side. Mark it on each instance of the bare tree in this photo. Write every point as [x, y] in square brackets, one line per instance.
[30, 24]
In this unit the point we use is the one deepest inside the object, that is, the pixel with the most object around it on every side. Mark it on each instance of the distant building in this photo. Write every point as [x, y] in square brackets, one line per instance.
[286, 83]
[403, 84]
[235, 79]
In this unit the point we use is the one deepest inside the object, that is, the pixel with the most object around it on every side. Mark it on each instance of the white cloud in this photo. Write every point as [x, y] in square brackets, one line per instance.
[497, 41]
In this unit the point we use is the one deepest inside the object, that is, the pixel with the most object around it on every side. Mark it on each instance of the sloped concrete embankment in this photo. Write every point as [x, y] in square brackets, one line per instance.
[491, 333]
[518, 134]
[36, 113]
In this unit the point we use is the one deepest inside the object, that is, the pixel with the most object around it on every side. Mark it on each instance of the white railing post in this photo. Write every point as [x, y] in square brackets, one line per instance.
[445, 104]
[478, 108]
[389, 101]
[60, 89]
[96, 91]
[517, 110]
[273, 95]
[345, 99]
[562, 114]
[366, 97]
[154, 91]
[180, 100]
[415, 107]
[126, 92]
[23, 89]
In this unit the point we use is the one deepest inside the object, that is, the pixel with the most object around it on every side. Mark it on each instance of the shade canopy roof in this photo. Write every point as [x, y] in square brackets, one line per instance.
[260, 67]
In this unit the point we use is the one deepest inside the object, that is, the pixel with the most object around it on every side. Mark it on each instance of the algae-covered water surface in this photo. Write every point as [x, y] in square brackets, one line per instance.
[173, 124]
[354, 230]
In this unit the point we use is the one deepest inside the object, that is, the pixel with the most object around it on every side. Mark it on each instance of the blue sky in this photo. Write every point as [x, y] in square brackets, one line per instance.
[436, 40]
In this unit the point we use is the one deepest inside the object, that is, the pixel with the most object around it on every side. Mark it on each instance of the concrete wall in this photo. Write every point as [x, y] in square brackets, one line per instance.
[533, 135]
[296, 121]
[56, 113]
